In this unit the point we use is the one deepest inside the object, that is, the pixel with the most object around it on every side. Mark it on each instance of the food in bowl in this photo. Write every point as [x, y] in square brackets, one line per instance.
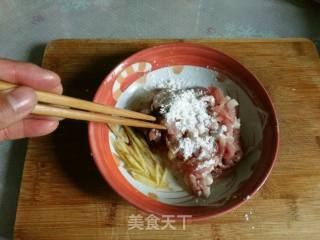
[202, 139]
[203, 133]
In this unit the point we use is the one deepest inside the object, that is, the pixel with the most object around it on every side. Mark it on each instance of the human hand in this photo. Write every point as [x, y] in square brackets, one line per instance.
[17, 104]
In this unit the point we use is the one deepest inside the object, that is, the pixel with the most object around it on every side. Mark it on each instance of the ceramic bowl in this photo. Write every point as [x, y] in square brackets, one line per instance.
[189, 65]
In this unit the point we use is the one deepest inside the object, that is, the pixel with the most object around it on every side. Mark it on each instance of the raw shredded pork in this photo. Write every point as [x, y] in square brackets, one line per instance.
[202, 135]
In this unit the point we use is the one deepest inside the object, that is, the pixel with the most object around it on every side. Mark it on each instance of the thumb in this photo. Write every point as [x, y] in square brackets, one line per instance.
[15, 105]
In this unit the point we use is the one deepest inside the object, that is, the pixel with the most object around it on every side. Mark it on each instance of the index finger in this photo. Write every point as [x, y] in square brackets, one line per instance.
[30, 75]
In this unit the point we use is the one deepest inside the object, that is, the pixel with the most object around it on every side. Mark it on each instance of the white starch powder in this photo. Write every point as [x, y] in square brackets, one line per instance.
[188, 117]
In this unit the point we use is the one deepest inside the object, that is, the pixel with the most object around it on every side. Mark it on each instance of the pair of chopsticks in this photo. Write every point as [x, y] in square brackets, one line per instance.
[68, 107]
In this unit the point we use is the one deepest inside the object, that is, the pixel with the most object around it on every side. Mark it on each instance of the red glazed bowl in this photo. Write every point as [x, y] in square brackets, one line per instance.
[190, 65]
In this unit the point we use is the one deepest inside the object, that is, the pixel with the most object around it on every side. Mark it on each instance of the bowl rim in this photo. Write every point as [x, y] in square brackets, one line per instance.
[262, 179]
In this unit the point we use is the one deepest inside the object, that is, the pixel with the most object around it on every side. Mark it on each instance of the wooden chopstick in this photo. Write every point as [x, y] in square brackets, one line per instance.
[56, 99]
[98, 112]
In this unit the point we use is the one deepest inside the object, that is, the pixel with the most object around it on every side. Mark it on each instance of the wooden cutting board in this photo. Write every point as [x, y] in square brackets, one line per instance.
[64, 197]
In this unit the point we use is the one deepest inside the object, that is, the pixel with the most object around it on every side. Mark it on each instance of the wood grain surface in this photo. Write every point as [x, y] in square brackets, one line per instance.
[64, 197]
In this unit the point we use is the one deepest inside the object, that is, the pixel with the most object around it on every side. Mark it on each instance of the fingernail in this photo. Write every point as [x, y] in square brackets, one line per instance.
[49, 75]
[52, 78]
[22, 99]
[58, 89]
